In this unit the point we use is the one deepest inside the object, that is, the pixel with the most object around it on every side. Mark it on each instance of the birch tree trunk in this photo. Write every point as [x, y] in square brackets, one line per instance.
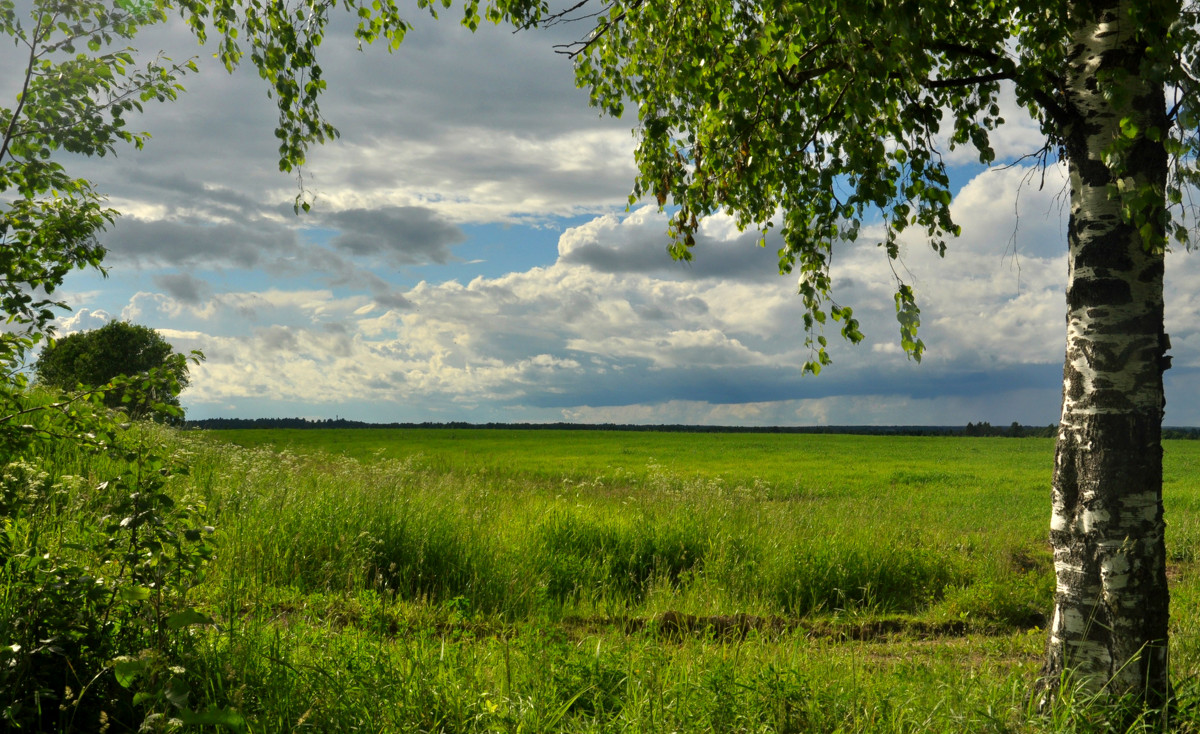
[1109, 627]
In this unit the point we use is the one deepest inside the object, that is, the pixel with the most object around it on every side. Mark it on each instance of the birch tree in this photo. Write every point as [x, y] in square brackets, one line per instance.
[816, 117]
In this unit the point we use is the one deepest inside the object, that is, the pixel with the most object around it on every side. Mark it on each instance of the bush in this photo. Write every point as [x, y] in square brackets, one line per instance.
[96, 358]
[95, 575]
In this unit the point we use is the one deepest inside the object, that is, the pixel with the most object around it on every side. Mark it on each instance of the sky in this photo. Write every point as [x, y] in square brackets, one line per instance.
[472, 255]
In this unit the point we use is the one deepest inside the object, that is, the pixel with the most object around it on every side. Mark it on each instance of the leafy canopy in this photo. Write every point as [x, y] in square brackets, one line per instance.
[816, 118]
[93, 359]
[76, 91]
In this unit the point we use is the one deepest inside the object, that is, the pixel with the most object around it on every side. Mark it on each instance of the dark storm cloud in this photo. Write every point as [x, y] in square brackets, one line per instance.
[636, 384]
[194, 242]
[183, 287]
[265, 245]
[213, 154]
[441, 115]
[178, 191]
[444, 72]
[392, 300]
[403, 235]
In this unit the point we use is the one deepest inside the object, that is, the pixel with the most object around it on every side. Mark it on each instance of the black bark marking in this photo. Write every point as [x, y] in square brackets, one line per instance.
[1152, 272]
[1098, 291]
[1109, 399]
[1073, 382]
[1106, 251]
[1091, 172]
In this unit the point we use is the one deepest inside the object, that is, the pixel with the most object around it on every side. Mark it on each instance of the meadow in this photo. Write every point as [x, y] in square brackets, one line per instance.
[519, 581]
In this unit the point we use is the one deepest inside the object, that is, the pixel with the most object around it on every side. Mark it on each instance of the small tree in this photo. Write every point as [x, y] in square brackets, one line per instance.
[94, 359]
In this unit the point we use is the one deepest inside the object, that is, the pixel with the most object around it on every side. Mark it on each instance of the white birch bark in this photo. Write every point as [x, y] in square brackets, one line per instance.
[1109, 627]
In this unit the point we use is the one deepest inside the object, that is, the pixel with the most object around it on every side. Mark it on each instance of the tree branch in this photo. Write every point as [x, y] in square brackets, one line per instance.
[575, 48]
[965, 81]
[798, 78]
[560, 17]
[1187, 94]
[1046, 99]
[12, 123]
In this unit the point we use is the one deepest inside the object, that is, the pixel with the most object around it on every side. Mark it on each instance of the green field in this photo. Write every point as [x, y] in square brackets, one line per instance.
[478, 580]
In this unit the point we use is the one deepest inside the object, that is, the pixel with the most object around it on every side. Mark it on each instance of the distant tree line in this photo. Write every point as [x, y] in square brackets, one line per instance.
[218, 424]
[983, 428]
[1015, 430]
[242, 423]
[1177, 432]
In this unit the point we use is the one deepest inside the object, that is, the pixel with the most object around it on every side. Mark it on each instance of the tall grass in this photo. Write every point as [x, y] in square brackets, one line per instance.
[331, 524]
[416, 593]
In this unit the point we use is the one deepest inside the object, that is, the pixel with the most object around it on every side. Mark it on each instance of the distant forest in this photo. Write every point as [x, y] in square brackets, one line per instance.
[1014, 430]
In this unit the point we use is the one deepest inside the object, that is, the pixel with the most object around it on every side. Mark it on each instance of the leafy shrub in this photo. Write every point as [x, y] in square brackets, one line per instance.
[97, 357]
[95, 575]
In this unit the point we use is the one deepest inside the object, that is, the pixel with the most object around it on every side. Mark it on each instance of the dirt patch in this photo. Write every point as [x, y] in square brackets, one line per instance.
[1023, 561]
[674, 625]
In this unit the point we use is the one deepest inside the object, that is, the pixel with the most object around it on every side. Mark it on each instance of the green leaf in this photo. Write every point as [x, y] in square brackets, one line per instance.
[134, 593]
[127, 671]
[187, 617]
[177, 692]
[213, 717]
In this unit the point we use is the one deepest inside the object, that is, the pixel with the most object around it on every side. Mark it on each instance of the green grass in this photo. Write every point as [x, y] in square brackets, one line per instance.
[508, 533]
[788, 463]
[442, 580]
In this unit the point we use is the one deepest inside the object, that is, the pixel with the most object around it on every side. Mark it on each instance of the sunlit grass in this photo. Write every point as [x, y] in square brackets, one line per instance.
[511, 544]
[415, 581]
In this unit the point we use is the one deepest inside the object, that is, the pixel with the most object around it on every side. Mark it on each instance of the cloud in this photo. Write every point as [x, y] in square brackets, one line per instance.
[626, 336]
[998, 295]
[637, 243]
[194, 242]
[573, 341]
[183, 287]
[371, 302]
[842, 410]
[1182, 306]
[439, 124]
[82, 320]
[405, 235]
[1019, 210]
[1019, 136]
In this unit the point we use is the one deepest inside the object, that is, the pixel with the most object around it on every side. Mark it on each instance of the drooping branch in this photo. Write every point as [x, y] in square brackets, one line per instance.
[1185, 94]
[966, 81]
[1008, 69]
[575, 48]
[798, 78]
[562, 16]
